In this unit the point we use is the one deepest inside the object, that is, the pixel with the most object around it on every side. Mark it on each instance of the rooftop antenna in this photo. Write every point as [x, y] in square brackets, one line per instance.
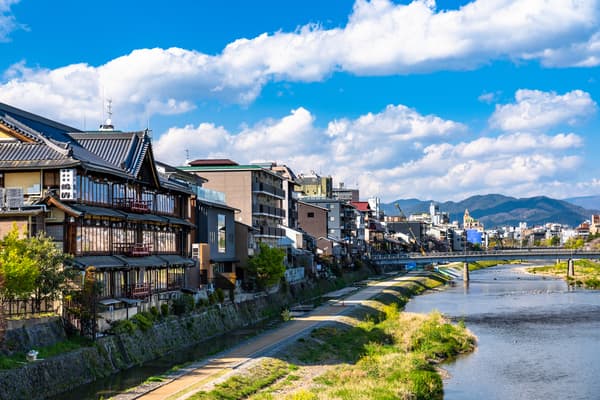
[187, 156]
[108, 126]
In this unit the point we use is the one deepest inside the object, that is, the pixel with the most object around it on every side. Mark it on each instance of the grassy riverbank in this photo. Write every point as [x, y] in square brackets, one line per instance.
[378, 352]
[587, 273]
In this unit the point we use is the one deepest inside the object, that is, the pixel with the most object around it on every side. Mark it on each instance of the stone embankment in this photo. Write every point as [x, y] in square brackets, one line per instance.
[111, 354]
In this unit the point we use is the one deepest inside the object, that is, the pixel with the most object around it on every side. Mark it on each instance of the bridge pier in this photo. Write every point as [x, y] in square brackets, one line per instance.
[466, 271]
[570, 268]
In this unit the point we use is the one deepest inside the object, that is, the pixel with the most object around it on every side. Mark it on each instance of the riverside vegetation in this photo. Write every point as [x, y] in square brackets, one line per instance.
[587, 273]
[378, 352]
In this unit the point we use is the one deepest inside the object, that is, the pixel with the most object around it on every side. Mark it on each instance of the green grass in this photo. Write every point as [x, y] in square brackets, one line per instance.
[475, 265]
[242, 385]
[18, 359]
[587, 272]
[387, 355]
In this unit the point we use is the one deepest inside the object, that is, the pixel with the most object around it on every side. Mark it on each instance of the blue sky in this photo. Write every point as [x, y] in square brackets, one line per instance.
[434, 100]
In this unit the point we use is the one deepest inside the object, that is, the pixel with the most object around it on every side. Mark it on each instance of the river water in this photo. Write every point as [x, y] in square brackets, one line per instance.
[536, 337]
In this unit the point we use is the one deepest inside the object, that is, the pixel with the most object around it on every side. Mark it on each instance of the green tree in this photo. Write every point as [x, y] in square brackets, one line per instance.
[267, 266]
[552, 241]
[17, 267]
[53, 278]
[574, 243]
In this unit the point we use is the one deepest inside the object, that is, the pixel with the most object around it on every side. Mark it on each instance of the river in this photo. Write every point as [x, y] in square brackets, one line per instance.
[537, 338]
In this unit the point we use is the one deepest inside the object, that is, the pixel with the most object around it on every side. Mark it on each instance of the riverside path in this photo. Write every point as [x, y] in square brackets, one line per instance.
[201, 374]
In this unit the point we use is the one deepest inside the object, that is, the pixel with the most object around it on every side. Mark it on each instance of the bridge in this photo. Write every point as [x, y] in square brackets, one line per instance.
[403, 259]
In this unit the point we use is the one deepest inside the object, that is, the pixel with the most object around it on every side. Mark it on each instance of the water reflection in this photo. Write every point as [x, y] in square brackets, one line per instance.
[537, 337]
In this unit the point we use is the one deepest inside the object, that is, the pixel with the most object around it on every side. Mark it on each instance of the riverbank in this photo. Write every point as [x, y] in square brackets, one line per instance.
[374, 351]
[587, 273]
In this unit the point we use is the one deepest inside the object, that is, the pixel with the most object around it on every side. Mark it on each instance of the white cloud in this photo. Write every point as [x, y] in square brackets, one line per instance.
[535, 110]
[380, 38]
[8, 22]
[376, 151]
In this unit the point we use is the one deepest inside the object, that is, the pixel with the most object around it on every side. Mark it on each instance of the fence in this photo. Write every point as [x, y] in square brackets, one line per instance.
[28, 307]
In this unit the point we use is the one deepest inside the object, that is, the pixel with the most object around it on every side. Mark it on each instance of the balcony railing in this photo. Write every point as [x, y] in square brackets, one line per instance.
[270, 231]
[137, 290]
[130, 204]
[269, 189]
[133, 249]
[268, 210]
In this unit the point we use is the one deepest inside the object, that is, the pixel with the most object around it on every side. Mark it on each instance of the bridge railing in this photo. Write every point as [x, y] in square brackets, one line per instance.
[529, 252]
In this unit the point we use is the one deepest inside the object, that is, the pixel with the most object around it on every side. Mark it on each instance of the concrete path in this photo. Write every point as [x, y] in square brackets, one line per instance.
[199, 375]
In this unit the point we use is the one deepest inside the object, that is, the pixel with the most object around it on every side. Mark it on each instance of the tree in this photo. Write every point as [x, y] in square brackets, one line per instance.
[53, 277]
[17, 267]
[574, 243]
[267, 266]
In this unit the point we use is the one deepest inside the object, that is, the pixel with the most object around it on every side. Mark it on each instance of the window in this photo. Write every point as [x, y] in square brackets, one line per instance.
[51, 179]
[1, 179]
[310, 215]
[332, 219]
[222, 232]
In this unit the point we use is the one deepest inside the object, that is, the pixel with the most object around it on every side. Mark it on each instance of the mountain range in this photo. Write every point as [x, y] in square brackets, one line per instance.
[495, 210]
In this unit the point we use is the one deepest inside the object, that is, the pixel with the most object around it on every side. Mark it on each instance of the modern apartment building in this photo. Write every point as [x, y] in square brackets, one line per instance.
[254, 190]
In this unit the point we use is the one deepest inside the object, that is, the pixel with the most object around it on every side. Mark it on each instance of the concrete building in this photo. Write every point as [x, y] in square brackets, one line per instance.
[346, 194]
[314, 185]
[254, 190]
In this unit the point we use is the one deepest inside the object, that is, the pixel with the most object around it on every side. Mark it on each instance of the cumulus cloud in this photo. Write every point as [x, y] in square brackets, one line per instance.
[534, 110]
[377, 152]
[379, 38]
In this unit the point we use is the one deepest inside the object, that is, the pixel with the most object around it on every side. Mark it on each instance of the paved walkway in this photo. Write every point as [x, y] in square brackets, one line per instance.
[199, 375]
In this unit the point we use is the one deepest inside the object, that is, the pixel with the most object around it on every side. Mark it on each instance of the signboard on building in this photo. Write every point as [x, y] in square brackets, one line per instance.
[474, 236]
[68, 184]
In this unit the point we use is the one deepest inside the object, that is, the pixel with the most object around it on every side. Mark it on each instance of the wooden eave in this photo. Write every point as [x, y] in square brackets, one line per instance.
[51, 201]
[16, 134]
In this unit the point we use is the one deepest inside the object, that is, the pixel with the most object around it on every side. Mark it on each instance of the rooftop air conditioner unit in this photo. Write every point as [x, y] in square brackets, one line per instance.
[14, 197]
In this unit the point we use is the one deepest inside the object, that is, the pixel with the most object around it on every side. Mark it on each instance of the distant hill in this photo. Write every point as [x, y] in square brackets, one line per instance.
[495, 210]
[588, 202]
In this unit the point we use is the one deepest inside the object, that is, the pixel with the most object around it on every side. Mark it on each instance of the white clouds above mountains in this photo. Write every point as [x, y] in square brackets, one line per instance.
[536, 110]
[379, 38]
[7, 20]
[396, 152]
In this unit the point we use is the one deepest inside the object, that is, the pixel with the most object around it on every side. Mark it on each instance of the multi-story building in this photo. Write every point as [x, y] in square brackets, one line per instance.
[254, 190]
[314, 185]
[291, 188]
[101, 198]
[346, 194]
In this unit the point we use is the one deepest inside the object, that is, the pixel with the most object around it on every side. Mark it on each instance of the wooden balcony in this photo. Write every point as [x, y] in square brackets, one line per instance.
[133, 205]
[133, 249]
[137, 290]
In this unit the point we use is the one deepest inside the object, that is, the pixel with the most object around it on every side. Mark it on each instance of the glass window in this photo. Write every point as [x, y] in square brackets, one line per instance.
[222, 232]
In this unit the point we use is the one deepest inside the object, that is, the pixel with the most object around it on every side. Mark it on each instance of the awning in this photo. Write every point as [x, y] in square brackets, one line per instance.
[97, 261]
[145, 217]
[148, 261]
[97, 211]
[178, 221]
[224, 260]
[108, 302]
[173, 259]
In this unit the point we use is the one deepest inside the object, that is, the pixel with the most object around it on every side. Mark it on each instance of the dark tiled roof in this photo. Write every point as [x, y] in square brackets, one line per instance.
[212, 162]
[32, 155]
[125, 151]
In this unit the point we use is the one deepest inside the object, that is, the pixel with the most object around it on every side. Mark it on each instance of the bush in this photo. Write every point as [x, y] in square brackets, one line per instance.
[220, 296]
[123, 326]
[143, 320]
[183, 304]
[164, 309]
[155, 313]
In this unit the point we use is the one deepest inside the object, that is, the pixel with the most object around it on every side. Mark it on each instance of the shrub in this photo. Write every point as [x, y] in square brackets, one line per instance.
[143, 321]
[164, 309]
[123, 326]
[220, 296]
[155, 313]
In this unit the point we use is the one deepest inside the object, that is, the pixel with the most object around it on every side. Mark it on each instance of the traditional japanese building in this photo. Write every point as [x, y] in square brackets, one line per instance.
[101, 198]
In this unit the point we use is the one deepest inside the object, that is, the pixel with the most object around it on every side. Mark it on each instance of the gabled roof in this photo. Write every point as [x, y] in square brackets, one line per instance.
[40, 142]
